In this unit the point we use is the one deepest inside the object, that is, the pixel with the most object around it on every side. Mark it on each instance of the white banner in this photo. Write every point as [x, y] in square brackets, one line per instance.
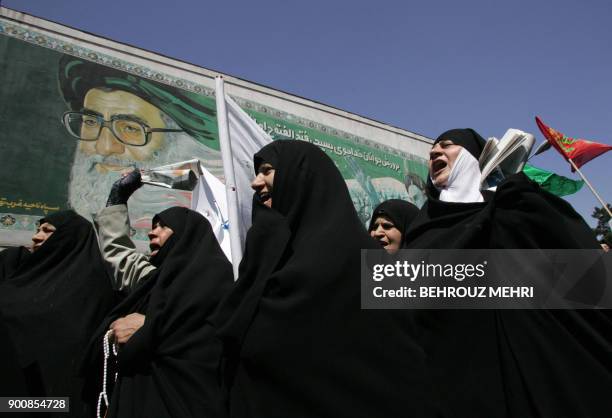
[240, 138]
[246, 138]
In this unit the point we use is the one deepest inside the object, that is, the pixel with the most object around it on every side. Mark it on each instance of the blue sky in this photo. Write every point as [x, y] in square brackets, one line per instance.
[422, 66]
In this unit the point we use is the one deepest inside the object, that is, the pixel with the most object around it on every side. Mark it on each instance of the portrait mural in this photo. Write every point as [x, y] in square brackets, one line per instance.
[121, 121]
[75, 116]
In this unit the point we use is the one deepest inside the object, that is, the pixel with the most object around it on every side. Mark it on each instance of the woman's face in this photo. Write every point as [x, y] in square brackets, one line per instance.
[441, 160]
[43, 233]
[158, 235]
[263, 182]
[385, 232]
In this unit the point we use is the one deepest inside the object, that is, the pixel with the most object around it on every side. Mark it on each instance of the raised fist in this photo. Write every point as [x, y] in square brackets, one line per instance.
[123, 188]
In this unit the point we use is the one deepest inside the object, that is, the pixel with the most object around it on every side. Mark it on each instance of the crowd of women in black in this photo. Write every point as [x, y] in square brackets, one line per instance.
[172, 335]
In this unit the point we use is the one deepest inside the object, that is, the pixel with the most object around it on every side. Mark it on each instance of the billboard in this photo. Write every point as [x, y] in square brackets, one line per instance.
[77, 110]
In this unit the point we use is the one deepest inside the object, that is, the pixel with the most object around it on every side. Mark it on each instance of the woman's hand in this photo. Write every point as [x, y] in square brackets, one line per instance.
[124, 187]
[124, 328]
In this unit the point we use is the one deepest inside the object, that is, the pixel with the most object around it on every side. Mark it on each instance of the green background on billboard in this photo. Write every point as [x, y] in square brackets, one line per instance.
[36, 151]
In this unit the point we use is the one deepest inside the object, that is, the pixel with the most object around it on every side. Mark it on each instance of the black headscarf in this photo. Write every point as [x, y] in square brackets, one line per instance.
[400, 212]
[296, 341]
[168, 368]
[515, 363]
[52, 302]
[468, 139]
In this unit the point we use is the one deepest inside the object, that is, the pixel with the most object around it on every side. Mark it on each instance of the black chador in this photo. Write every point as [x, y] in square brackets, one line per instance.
[514, 363]
[51, 302]
[296, 342]
[168, 367]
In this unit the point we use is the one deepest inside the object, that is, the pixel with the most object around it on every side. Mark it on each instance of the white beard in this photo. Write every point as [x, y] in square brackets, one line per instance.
[89, 189]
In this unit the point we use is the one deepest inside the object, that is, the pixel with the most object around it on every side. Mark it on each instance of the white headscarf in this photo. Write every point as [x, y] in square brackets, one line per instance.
[463, 181]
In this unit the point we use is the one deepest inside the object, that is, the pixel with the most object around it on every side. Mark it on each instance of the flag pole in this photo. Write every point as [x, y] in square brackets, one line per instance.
[228, 170]
[604, 205]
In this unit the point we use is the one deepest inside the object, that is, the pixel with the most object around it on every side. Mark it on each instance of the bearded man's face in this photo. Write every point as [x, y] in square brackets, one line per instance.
[99, 163]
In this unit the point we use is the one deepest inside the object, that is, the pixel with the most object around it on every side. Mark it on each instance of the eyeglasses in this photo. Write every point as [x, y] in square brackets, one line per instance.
[129, 131]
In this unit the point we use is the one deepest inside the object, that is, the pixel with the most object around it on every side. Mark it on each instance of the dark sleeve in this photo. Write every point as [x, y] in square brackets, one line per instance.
[526, 216]
[139, 349]
[10, 260]
[13, 381]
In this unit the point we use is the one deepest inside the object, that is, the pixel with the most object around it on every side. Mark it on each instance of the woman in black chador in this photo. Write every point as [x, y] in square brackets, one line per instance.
[296, 342]
[390, 221]
[508, 363]
[51, 301]
[168, 366]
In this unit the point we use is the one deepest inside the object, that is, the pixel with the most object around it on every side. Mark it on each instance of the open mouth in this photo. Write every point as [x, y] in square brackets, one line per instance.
[154, 249]
[437, 166]
[383, 243]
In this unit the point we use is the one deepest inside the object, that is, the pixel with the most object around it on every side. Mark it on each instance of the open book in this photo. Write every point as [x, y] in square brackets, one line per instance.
[502, 157]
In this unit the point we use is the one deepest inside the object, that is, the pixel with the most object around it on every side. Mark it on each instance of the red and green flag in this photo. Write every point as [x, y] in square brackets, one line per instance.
[580, 151]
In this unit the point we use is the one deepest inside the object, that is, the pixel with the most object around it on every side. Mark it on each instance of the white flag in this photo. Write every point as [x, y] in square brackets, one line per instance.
[240, 138]
[209, 199]
[246, 138]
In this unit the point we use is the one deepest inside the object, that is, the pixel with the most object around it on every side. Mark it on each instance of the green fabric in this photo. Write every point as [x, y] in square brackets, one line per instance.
[551, 182]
